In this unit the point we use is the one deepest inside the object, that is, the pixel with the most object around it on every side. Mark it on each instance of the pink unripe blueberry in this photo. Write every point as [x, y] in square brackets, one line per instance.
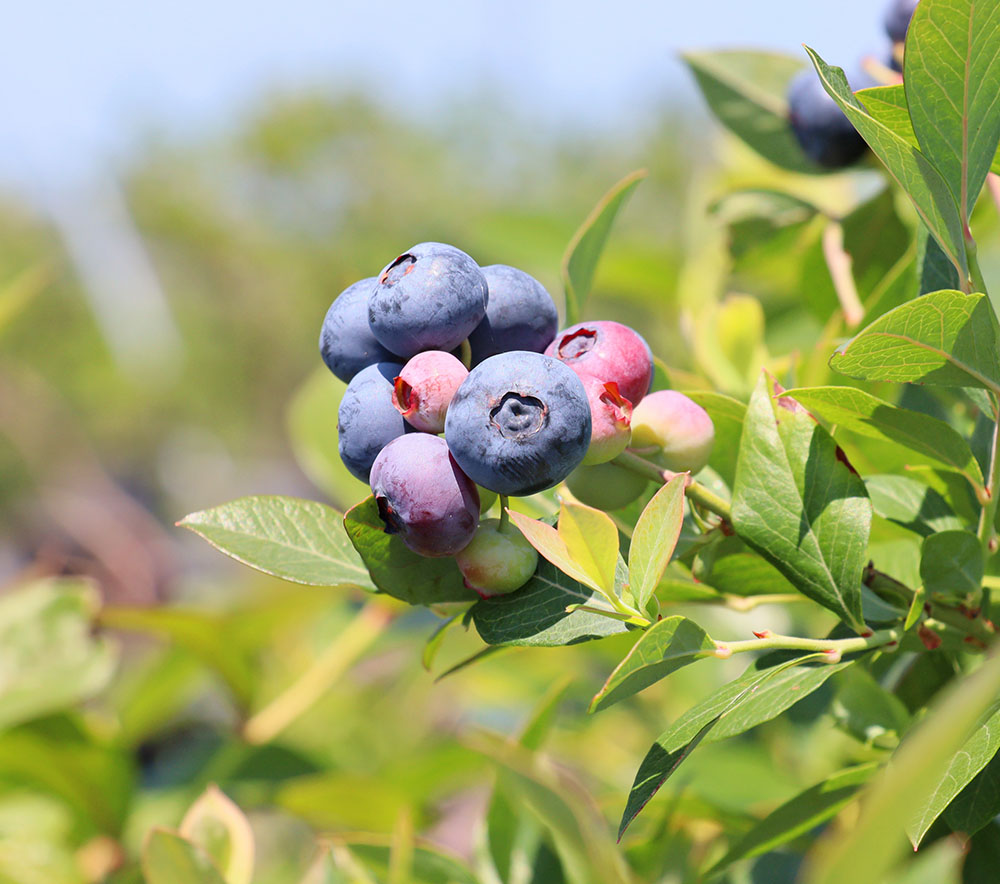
[606, 486]
[497, 561]
[609, 351]
[425, 387]
[423, 496]
[611, 418]
[679, 428]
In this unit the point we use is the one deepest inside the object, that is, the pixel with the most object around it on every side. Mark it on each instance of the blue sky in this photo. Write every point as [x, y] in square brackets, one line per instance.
[78, 81]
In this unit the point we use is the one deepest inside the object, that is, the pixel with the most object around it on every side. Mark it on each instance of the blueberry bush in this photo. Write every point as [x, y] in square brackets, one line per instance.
[815, 524]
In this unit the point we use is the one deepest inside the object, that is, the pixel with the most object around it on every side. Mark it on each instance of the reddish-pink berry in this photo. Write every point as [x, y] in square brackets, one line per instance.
[611, 419]
[424, 389]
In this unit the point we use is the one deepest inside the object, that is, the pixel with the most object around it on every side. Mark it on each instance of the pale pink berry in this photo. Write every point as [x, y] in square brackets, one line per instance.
[425, 387]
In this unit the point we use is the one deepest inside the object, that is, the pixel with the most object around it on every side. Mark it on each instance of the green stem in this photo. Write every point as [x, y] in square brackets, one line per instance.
[988, 514]
[834, 647]
[504, 515]
[695, 491]
[975, 273]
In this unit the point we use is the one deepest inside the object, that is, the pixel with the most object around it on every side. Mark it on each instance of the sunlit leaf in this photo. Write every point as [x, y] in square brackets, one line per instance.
[654, 539]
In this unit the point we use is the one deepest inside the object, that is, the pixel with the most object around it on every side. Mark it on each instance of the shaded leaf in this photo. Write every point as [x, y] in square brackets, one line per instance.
[978, 803]
[220, 828]
[167, 858]
[395, 569]
[946, 338]
[298, 540]
[800, 506]
[585, 248]
[911, 504]
[665, 647]
[951, 564]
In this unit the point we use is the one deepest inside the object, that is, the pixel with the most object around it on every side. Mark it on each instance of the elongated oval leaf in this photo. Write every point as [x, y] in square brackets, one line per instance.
[552, 547]
[663, 648]
[167, 858]
[952, 86]
[867, 415]
[591, 540]
[951, 565]
[910, 169]
[398, 571]
[978, 803]
[768, 687]
[297, 540]
[800, 505]
[747, 90]
[946, 338]
[727, 415]
[585, 248]
[799, 816]
[536, 613]
[654, 539]
[887, 105]
[220, 828]
[911, 504]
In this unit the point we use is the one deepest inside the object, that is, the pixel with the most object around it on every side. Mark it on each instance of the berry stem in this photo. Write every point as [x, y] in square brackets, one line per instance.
[504, 514]
[695, 491]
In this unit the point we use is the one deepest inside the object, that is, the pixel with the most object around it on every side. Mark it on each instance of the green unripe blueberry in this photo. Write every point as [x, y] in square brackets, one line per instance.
[605, 486]
[486, 499]
[497, 561]
[678, 427]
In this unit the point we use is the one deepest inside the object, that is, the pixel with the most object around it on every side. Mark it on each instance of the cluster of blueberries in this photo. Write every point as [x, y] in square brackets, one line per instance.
[436, 344]
[827, 137]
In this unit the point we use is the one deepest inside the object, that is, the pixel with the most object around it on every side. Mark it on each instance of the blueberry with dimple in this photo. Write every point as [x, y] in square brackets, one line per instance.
[429, 298]
[826, 136]
[423, 496]
[346, 342]
[609, 351]
[520, 315]
[520, 423]
[897, 19]
[425, 388]
[367, 421]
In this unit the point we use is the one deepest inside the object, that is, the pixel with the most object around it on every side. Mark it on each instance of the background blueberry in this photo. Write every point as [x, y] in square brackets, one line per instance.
[897, 19]
[367, 421]
[429, 298]
[346, 342]
[609, 351]
[826, 136]
[520, 315]
[519, 423]
[423, 496]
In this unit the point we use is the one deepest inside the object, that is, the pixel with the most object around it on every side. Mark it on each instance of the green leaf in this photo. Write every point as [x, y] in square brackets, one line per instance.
[983, 858]
[952, 83]
[536, 613]
[978, 803]
[867, 415]
[395, 569]
[167, 858]
[798, 503]
[936, 273]
[591, 540]
[430, 864]
[297, 540]
[887, 105]
[51, 658]
[799, 816]
[665, 647]
[655, 538]
[864, 852]
[551, 545]
[921, 182]
[951, 564]
[945, 338]
[769, 686]
[584, 249]
[868, 711]
[963, 765]
[747, 91]
[911, 504]
[727, 415]
[220, 828]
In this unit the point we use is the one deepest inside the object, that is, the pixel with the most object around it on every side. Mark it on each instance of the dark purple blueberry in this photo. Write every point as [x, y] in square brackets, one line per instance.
[367, 420]
[423, 496]
[346, 343]
[897, 19]
[520, 423]
[430, 298]
[521, 315]
[826, 136]
[609, 351]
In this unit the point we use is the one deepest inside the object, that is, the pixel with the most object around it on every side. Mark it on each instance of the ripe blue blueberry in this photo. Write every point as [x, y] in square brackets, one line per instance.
[826, 136]
[367, 420]
[520, 316]
[520, 423]
[423, 496]
[346, 343]
[897, 19]
[430, 298]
